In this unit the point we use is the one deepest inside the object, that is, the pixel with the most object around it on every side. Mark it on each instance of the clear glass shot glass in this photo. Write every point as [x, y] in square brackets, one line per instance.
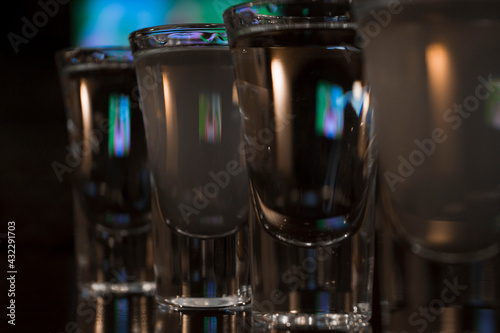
[107, 159]
[200, 190]
[433, 69]
[310, 153]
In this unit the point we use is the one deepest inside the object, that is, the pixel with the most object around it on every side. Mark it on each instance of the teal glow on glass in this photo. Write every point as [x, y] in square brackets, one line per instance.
[323, 302]
[210, 325]
[121, 315]
[210, 289]
[336, 223]
[330, 104]
[210, 118]
[119, 125]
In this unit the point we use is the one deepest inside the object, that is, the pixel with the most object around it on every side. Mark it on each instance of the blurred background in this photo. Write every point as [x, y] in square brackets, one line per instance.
[33, 137]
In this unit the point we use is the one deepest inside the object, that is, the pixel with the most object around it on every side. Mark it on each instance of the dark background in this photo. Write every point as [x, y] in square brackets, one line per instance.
[32, 137]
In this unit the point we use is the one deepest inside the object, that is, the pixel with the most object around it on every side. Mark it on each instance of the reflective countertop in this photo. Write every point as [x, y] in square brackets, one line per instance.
[142, 314]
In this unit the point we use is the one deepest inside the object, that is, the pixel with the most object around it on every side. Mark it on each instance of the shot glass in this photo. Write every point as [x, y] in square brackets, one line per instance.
[438, 134]
[193, 130]
[107, 159]
[311, 161]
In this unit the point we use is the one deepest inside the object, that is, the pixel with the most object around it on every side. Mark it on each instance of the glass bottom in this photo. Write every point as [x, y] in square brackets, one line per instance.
[97, 289]
[205, 303]
[324, 321]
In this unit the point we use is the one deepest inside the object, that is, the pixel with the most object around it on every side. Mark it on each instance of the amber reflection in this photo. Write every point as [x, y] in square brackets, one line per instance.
[441, 84]
[87, 128]
[282, 107]
[171, 124]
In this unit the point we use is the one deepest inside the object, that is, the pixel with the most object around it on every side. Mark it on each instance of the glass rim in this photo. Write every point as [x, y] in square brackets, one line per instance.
[79, 55]
[178, 35]
[266, 15]
[261, 3]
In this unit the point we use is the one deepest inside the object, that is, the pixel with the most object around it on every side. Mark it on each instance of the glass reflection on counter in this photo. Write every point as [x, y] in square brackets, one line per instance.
[109, 313]
[139, 313]
[190, 321]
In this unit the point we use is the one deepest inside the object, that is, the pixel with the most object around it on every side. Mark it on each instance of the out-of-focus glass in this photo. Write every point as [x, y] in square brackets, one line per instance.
[107, 158]
[433, 68]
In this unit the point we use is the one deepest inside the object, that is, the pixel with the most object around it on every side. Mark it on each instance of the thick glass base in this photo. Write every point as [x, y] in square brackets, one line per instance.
[97, 289]
[305, 321]
[200, 274]
[205, 303]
